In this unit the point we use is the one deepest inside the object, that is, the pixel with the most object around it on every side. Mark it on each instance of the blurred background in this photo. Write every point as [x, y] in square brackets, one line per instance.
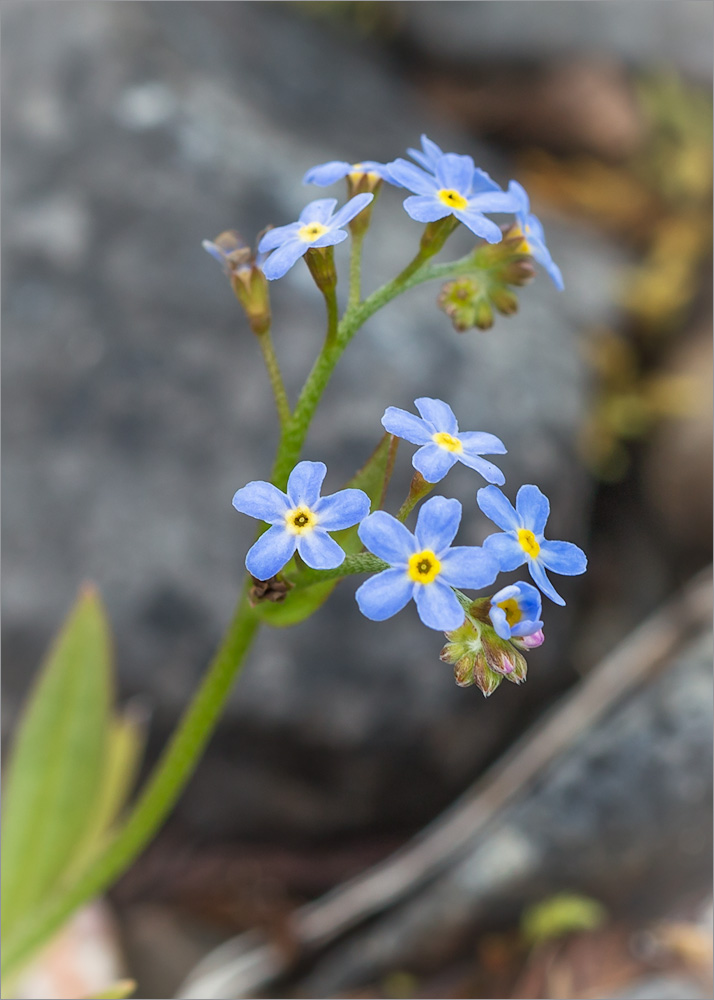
[136, 403]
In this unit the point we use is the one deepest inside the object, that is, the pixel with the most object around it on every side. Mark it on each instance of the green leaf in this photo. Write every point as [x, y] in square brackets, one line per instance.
[120, 990]
[125, 744]
[304, 601]
[565, 913]
[56, 765]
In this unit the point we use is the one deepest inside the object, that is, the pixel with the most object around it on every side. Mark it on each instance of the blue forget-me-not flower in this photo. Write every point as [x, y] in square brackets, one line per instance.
[437, 431]
[318, 226]
[423, 566]
[534, 234]
[299, 519]
[451, 185]
[515, 611]
[328, 173]
[522, 540]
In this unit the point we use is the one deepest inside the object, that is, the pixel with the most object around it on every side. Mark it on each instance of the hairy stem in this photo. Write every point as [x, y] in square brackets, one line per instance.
[274, 374]
[355, 293]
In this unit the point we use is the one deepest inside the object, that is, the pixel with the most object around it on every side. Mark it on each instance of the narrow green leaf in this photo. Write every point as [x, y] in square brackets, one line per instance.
[304, 601]
[120, 990]
[125, 744]
[56, 764]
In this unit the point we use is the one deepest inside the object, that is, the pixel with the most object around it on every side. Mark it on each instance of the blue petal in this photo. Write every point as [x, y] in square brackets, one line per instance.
[270, 553]
[506, 551]
[318, 211]
[387, 538]
[469, 566]
[329, 239]
[541, 254]
[526, 627]
[385, 594]
[262, 500]
[433, 462]
[492, 201]
[405, 425]
[426, 208]
[352, 208]
[498, 508]
[327, 173]
[481, 182]
[479, 225]
[563, 557]
[342, 510]
[438, 413]
[319, 551]
[520, 200]
[277, 236]
[281, 260]
[490, 472]
[533, 508]
[411, 177]
[539, 575]
[438, 606]
[430, 156]
[305, 482]
[481, 443]
[215, 251]
[499, 622]
[437, 524]
[512, 590]
[528, 600]
[454, 171]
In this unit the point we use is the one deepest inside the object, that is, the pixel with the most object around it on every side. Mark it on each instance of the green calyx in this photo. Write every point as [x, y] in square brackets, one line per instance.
[480, 656]
[482, 284]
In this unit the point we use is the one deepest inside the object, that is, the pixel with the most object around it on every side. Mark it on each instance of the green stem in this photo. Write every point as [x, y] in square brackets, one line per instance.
[295, 431]
[360, 562]
[355, 293]
[200, 718]
[274, 374]
[157, 797]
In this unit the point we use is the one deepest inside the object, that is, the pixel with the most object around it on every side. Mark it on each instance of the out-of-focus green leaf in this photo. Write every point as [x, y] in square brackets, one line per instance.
[562, 914]
[120, 990]
[304, 601]
[57, 762]
[125, 744]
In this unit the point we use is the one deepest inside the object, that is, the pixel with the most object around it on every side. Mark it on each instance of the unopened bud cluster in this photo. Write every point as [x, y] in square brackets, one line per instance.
[469, 300]
[480, 656]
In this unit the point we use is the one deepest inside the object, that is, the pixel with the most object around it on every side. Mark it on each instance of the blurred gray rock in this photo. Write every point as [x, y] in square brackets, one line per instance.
[624, 817]
[643, 34]
[136, 402]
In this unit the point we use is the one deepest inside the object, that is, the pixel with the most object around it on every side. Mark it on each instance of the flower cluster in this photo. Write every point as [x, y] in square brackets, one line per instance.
[486, 636]
[441, 185]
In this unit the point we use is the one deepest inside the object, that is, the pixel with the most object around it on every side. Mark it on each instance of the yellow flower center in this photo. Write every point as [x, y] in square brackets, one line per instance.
[452, 198]
[300, 520]
[311, 231]
[513, 612]
[528, 543]
[424, 567]
[447, 442]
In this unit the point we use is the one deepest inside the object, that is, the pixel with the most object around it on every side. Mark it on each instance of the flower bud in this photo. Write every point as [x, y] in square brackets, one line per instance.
[249, 284]
[502, 656]
[529, 641]
[479, 655]
[504, 300]
[321, 261]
